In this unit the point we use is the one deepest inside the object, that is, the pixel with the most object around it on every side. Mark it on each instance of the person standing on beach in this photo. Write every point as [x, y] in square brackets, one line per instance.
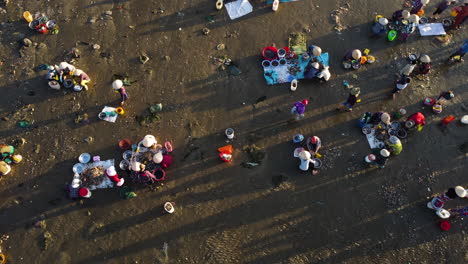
[352, 98]
[400, 85]
[462, 15]
[120, 88]
[418, 6]
[442, 7]
[299, 108]
[460, 52]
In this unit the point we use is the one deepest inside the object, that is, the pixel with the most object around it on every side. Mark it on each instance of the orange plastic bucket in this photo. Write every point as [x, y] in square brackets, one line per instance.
[120, 110]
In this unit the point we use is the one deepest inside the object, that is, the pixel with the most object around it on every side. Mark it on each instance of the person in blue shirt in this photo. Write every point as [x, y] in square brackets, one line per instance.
[461, 51]
[380, 27]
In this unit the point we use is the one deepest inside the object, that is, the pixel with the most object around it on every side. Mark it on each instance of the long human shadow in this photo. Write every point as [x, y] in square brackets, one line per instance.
[105, 2]
[45, 197]
[192, 16]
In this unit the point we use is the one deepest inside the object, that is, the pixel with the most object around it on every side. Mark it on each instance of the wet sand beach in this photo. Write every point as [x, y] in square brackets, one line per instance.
[224, 212]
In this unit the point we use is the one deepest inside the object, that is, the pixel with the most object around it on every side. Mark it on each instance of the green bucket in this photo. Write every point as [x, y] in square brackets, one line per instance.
[392, 34]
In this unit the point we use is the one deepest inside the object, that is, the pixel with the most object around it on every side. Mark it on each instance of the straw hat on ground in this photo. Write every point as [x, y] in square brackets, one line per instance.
[414, 18]
[405, 14]
[425, 58]
[461, 192]
[356, 54]
[355, 91]
[385, 118]
[317, 51]
[4, 168]
[385, 153]
[149, 141]
[117, 84]
[383, 21]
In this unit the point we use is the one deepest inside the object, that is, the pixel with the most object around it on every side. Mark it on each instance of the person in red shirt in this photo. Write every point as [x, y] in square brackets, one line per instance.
[462, 15]
[417, 119]
[112, 174]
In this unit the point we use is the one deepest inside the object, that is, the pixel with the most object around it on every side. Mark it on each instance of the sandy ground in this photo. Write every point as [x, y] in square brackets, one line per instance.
[225, 213]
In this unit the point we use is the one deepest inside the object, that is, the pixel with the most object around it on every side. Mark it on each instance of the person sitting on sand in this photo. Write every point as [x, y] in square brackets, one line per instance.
[313, 145]
[380, 27]
[312, 70]
[84, 78]
[394, 145]
[425, 64]
[65, 69]
[400, 15]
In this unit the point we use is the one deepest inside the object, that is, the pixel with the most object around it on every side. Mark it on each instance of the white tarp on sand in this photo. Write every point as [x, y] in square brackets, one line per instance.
[431, 29]
[238, 8]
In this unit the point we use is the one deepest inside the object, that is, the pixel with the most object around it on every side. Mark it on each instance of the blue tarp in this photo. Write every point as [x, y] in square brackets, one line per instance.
[281, 74]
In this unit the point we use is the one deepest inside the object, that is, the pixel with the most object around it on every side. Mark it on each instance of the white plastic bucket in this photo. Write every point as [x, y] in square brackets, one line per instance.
[229, 133]
[54, 85]
[275, 5]
[293, 85]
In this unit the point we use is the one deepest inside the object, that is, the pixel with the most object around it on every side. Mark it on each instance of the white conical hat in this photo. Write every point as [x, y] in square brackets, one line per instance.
[461, 192]
[149, 140]
[305, 155]
[383, 21]
[316, 51]
[315, 65]
[414, 18]
[111, 171]
[63, 65]
[356, 54]
[78, 72]
[135, 166]
[464, 119]
[385, 118]
[117, 84]
[385, 153]
[425, 2]
[425, 58]
[158, 157]
[405, 14]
